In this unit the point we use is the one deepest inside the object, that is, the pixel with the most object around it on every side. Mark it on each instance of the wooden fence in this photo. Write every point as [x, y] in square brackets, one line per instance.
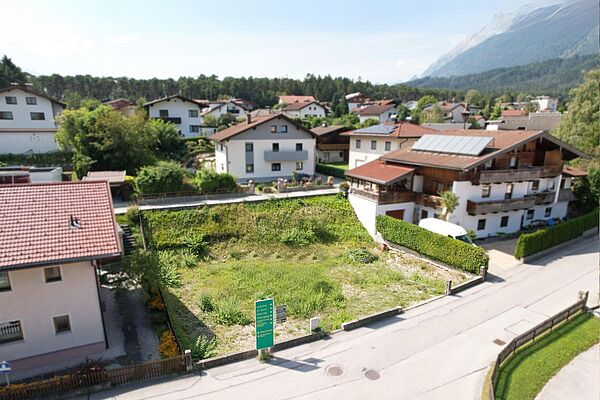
[86, 382]
[530, 336]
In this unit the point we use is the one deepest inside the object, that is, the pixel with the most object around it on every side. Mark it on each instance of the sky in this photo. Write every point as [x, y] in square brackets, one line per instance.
[379, 41]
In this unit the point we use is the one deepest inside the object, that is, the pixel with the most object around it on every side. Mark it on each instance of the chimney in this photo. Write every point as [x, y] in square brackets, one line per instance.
[248, 118]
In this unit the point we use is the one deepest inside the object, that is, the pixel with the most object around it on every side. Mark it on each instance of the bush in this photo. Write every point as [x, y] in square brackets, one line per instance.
[167, 345]
[437, 247]
[362, 256]
[227, 312]
[331, 170]
[132, 215]
[206, 303]
[209, 181]
[203, 348]
[163, 177]
[531, 243]
[298, 236]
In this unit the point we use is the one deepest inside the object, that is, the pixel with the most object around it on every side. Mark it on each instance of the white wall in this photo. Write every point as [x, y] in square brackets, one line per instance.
[330, 156]
[23, 142]
[178, 108]
[312, 110]
[366, 211]
[222, 109]
[365, 154]
[34, 303]
[21, 111]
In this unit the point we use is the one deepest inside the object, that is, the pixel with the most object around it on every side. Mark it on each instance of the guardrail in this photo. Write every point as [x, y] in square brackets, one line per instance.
[530, 336]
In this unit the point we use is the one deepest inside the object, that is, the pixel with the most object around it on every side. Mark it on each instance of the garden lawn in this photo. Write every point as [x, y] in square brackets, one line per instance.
[305, 253]
[524, 375]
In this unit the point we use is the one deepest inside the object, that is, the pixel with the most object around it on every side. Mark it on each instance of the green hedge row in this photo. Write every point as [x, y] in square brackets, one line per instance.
[329, 170]
[531, 243]
[437, 247]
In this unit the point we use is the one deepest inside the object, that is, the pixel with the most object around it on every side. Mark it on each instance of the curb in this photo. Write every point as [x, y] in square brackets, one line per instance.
[357, 323]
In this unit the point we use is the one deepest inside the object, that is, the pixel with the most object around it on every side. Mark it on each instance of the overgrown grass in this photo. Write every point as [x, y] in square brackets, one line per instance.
[312, 255]
[523, 376]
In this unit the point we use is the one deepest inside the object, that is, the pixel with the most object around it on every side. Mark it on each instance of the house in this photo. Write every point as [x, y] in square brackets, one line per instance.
[451, 112]
[289, 99]
[304, 110]
[183, 112]
[53, 237]
[27, 120]
[264, 148]
[504, 180]
[480, 122]
[539, 121]
[367, 144]
[119, 186]
[446, 126]
[411, 105]
[546, 103]
[218, 108]
[332, 145]
[514, 113]
[380, 113]
[124, 106]
[357, 100]
[24, 174]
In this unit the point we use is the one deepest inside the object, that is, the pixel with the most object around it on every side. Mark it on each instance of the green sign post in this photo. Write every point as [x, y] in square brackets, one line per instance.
[265, 323]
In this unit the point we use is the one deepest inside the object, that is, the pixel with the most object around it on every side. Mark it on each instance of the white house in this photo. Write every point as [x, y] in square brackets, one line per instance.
[546, 103]
[357, 100]
[216, 109]
[183, 112]
[290, 99]
[265, 148]
[52, 237]
[380, 113]
[27, 120]
[304, 110]
[504, 180]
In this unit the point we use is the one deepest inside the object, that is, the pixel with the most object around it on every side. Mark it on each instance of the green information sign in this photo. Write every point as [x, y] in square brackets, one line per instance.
[264, 323]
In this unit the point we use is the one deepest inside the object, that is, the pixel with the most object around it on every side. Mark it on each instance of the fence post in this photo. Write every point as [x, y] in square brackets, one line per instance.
[583, 296]
[448, 286]
[483, 271]
[188, 360]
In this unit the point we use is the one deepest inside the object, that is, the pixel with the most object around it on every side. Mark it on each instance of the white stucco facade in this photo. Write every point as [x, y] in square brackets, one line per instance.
[310, 110]
[34, 303]
[185, 114]
[229, 107]
[362, 151]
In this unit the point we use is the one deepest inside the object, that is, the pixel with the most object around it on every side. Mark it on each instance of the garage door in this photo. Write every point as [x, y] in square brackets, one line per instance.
[398, 214]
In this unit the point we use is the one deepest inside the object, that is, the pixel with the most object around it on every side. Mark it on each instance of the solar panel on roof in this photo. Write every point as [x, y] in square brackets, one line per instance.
[464, 145]
[380, 129]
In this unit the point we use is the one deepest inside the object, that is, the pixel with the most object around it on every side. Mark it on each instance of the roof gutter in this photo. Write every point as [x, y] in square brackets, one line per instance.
[58, 261]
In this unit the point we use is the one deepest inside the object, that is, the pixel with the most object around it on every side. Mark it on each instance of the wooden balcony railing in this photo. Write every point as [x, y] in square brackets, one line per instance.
[518, 175]
[566, 195]
[494, 206]
[428, 200]
[544, 197]
[385, 197]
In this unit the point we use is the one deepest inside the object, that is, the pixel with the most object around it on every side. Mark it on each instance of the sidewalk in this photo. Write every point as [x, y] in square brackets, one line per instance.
[580, 379]
[180, 202]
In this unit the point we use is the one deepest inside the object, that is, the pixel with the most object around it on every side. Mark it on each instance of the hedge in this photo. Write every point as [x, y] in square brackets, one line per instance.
[330, 170]
[449, 251]
[531, 243]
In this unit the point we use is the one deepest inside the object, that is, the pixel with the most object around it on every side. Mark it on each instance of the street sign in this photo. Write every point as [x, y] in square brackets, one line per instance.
[5, 367]
[265, 323]
[281, 314]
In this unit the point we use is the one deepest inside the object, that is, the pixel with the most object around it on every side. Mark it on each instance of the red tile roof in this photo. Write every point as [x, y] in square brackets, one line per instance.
[36, 226]
[289, 99]
[299, 105]
[373, 110]
[378, 171]
[514, 113]
[573, 172]
[255, 121]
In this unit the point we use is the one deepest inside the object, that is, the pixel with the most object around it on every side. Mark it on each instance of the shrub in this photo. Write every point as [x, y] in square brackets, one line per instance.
[437, 247]
[203, 347]
[362, 256]
[167, 345]
[227, 312]
[155, 302]
[344, 186]
[132, 215]
[531, 243]
[196, 243]
[331, 170]
[298, 236]
[206, 303]
[209, 181]
[163, 177]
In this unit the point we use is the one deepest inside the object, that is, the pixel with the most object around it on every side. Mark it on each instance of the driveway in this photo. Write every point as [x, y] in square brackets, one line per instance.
[501, 253]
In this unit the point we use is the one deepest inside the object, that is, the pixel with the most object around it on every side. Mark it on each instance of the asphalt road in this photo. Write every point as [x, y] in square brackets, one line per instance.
[441, 350]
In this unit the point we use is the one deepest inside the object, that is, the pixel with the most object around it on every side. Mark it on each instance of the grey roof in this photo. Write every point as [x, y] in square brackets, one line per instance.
[463, 145]
[381, 129]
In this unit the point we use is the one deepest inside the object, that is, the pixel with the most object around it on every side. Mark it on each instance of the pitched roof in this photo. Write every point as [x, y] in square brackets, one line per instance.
[172, 97]
[110, 176]
[289, 99]
[326, 130]
[373, 110]
[398, 130]
[573, 172]
[444, 126]
[53, 223]
[379, 171]
[30, 89]
[514, 113]
[299, 106]
[255, 121]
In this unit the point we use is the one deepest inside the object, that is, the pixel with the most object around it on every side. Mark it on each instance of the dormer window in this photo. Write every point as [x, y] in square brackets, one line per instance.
[74, 223]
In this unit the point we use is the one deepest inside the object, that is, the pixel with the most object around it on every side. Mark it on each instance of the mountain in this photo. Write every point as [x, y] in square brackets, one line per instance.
[525, 36]
[552, 77]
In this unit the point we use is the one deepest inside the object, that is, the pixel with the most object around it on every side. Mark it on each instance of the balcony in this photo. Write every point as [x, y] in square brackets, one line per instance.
[428, 200]
[174, 120]
[518, 175]
[495, 206]
[566, 195]
[543, 198]
[286, 155]
[385, 197]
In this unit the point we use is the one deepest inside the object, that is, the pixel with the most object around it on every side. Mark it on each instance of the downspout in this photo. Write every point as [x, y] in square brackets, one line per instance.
[96, 269]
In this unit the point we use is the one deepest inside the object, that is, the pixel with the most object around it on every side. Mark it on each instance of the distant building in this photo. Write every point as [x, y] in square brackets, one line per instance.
[218, 108]
[304, 110]
[183, 112]
[446, 126]
[358, 100]
[451, 112]
[124, 106]
[291, 99]
[332, 145]
[27, 120]
[380, 113]
[23, 174]
[514, 113]
[546, 103]
[543, 121]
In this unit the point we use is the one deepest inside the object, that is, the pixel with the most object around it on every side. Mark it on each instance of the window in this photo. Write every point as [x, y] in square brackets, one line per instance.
[424, 214]
[535, 185]
[276, 167]
[273, 128]
[52, 274]
[193, 113]
[514, 162]
[481, 224]
[194, 128]
[220, 146]
[11, 100]
[37, 116]
[10, 331]
[163, 113]
[504, 221]
[551, 185]
[283, 129]
[530, 214]
[509, 190]
[298, 146]
[485, 191]
[357, 142]
[373, 144]
[342, 155]
[6, 115]
[388, 146]
[32, 101]
[275, 147]
[249, 168]
[62, 324]
[299, 165]
[548, 212]
[249, 147]
[4, 281]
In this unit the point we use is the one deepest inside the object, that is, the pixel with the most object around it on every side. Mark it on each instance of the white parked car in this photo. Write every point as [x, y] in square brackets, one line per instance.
[444, 228]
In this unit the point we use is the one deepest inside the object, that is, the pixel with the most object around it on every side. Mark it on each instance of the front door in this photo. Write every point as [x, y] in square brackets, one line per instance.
[398, 214]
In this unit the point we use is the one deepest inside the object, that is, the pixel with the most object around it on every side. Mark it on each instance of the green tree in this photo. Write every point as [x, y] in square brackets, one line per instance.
[425, 101]
[435, 115]
[210, 120]
[403, 112]
[166, 138]
[10, 73]
[164, 177]
[209, 181]
[473, 97]
[580, 127]
[449, 203]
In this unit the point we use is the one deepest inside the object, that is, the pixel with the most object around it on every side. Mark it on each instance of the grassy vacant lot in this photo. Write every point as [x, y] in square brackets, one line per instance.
[523, 376]
[311, 254]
